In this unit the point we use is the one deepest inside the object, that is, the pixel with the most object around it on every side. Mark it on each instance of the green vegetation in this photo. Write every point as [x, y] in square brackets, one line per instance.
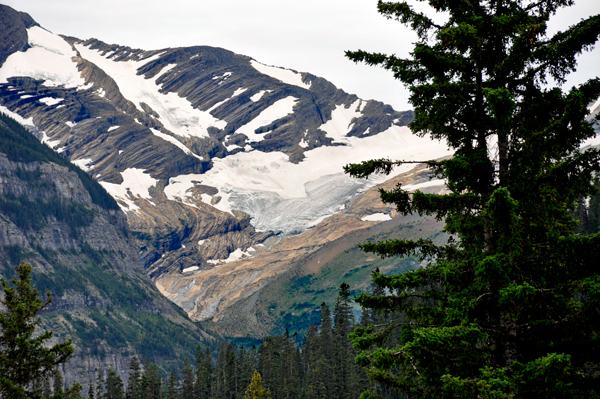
[26, 357]
[21, 146]
[33, 214]
[320, 366]
[510, 306]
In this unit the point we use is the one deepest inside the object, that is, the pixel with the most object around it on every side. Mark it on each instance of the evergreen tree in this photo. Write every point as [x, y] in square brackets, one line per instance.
[171, 387]
[151, 383]
[256, 390]
[46, 390]
[187, 380]
[113, 385]
[343, 354]
[24, 356]
[509, 308]
[204, 374]
[134, 381]
[100, 384]
[58, 382]
[91, 389]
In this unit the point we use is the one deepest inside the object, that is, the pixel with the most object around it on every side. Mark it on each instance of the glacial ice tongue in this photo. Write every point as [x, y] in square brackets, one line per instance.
[269, 212]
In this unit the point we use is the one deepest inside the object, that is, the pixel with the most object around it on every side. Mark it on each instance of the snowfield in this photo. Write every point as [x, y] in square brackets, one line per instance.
[285, 197]
[49, 58]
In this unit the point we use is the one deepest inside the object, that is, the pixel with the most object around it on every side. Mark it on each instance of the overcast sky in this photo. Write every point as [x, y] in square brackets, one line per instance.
[308, 35]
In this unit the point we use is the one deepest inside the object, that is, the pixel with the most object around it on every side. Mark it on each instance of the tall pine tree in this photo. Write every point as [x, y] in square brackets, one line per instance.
[510, 307]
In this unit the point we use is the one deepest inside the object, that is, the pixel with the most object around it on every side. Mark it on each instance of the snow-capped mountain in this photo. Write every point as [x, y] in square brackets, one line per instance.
[208, 152]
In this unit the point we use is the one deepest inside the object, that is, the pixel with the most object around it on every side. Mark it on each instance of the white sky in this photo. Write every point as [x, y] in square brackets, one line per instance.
[308, 35]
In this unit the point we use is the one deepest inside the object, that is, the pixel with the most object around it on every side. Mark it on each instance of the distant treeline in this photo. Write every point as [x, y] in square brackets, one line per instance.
[322, 365]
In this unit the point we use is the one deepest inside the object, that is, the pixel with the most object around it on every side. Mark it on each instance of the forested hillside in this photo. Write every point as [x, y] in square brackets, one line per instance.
[54, 216]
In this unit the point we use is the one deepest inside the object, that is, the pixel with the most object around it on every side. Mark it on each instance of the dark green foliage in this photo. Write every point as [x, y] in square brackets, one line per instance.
[510, 306]
[33, 215]
[21, 146]
[24, 356]
[134, 390]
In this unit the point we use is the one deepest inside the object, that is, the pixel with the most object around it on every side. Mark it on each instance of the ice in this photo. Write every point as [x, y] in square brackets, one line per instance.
[341, 122]
[176, 113]
[175, 142]
[294, 197]
[49, 58]
[190, 269]
[376, 217]
[284, 75]
[276, 111]
[110, 129]
[85, 163]
[50, 101]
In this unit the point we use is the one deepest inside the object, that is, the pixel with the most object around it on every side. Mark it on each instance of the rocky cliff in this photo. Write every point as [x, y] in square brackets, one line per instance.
[212, 155]
[54, 216]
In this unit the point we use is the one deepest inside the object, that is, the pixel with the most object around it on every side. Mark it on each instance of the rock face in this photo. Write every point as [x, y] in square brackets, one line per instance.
[211, 154]
[55, 217]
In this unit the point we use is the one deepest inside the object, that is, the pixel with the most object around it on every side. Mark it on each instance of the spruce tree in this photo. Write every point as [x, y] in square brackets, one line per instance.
[25, 356]
[204, 373]
[187, 380]
[510, 306]
[113, 385]
[134, 381]
[172, 386]
[58, 382]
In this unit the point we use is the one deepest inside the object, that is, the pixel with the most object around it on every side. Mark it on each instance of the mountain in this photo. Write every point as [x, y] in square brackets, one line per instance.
[54, 216]
[229, 171]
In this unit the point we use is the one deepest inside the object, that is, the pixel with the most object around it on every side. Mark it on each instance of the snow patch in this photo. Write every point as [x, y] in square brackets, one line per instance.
[84, 164]
[376, 217]
[136, 183]
[164, 70]
[341, 122]
[284, 75]
[49, 58]
[25, 122]
[175, 142]
[50, 101]
[431, 183]
[70, 124]
[175, 113]
[259, 95]
[239, 91]
[110, 129]
[234, 256]
[190, 269]
[276, 111]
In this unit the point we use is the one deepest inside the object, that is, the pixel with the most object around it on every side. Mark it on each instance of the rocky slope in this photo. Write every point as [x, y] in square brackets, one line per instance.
[55, 217]
[229, 171]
